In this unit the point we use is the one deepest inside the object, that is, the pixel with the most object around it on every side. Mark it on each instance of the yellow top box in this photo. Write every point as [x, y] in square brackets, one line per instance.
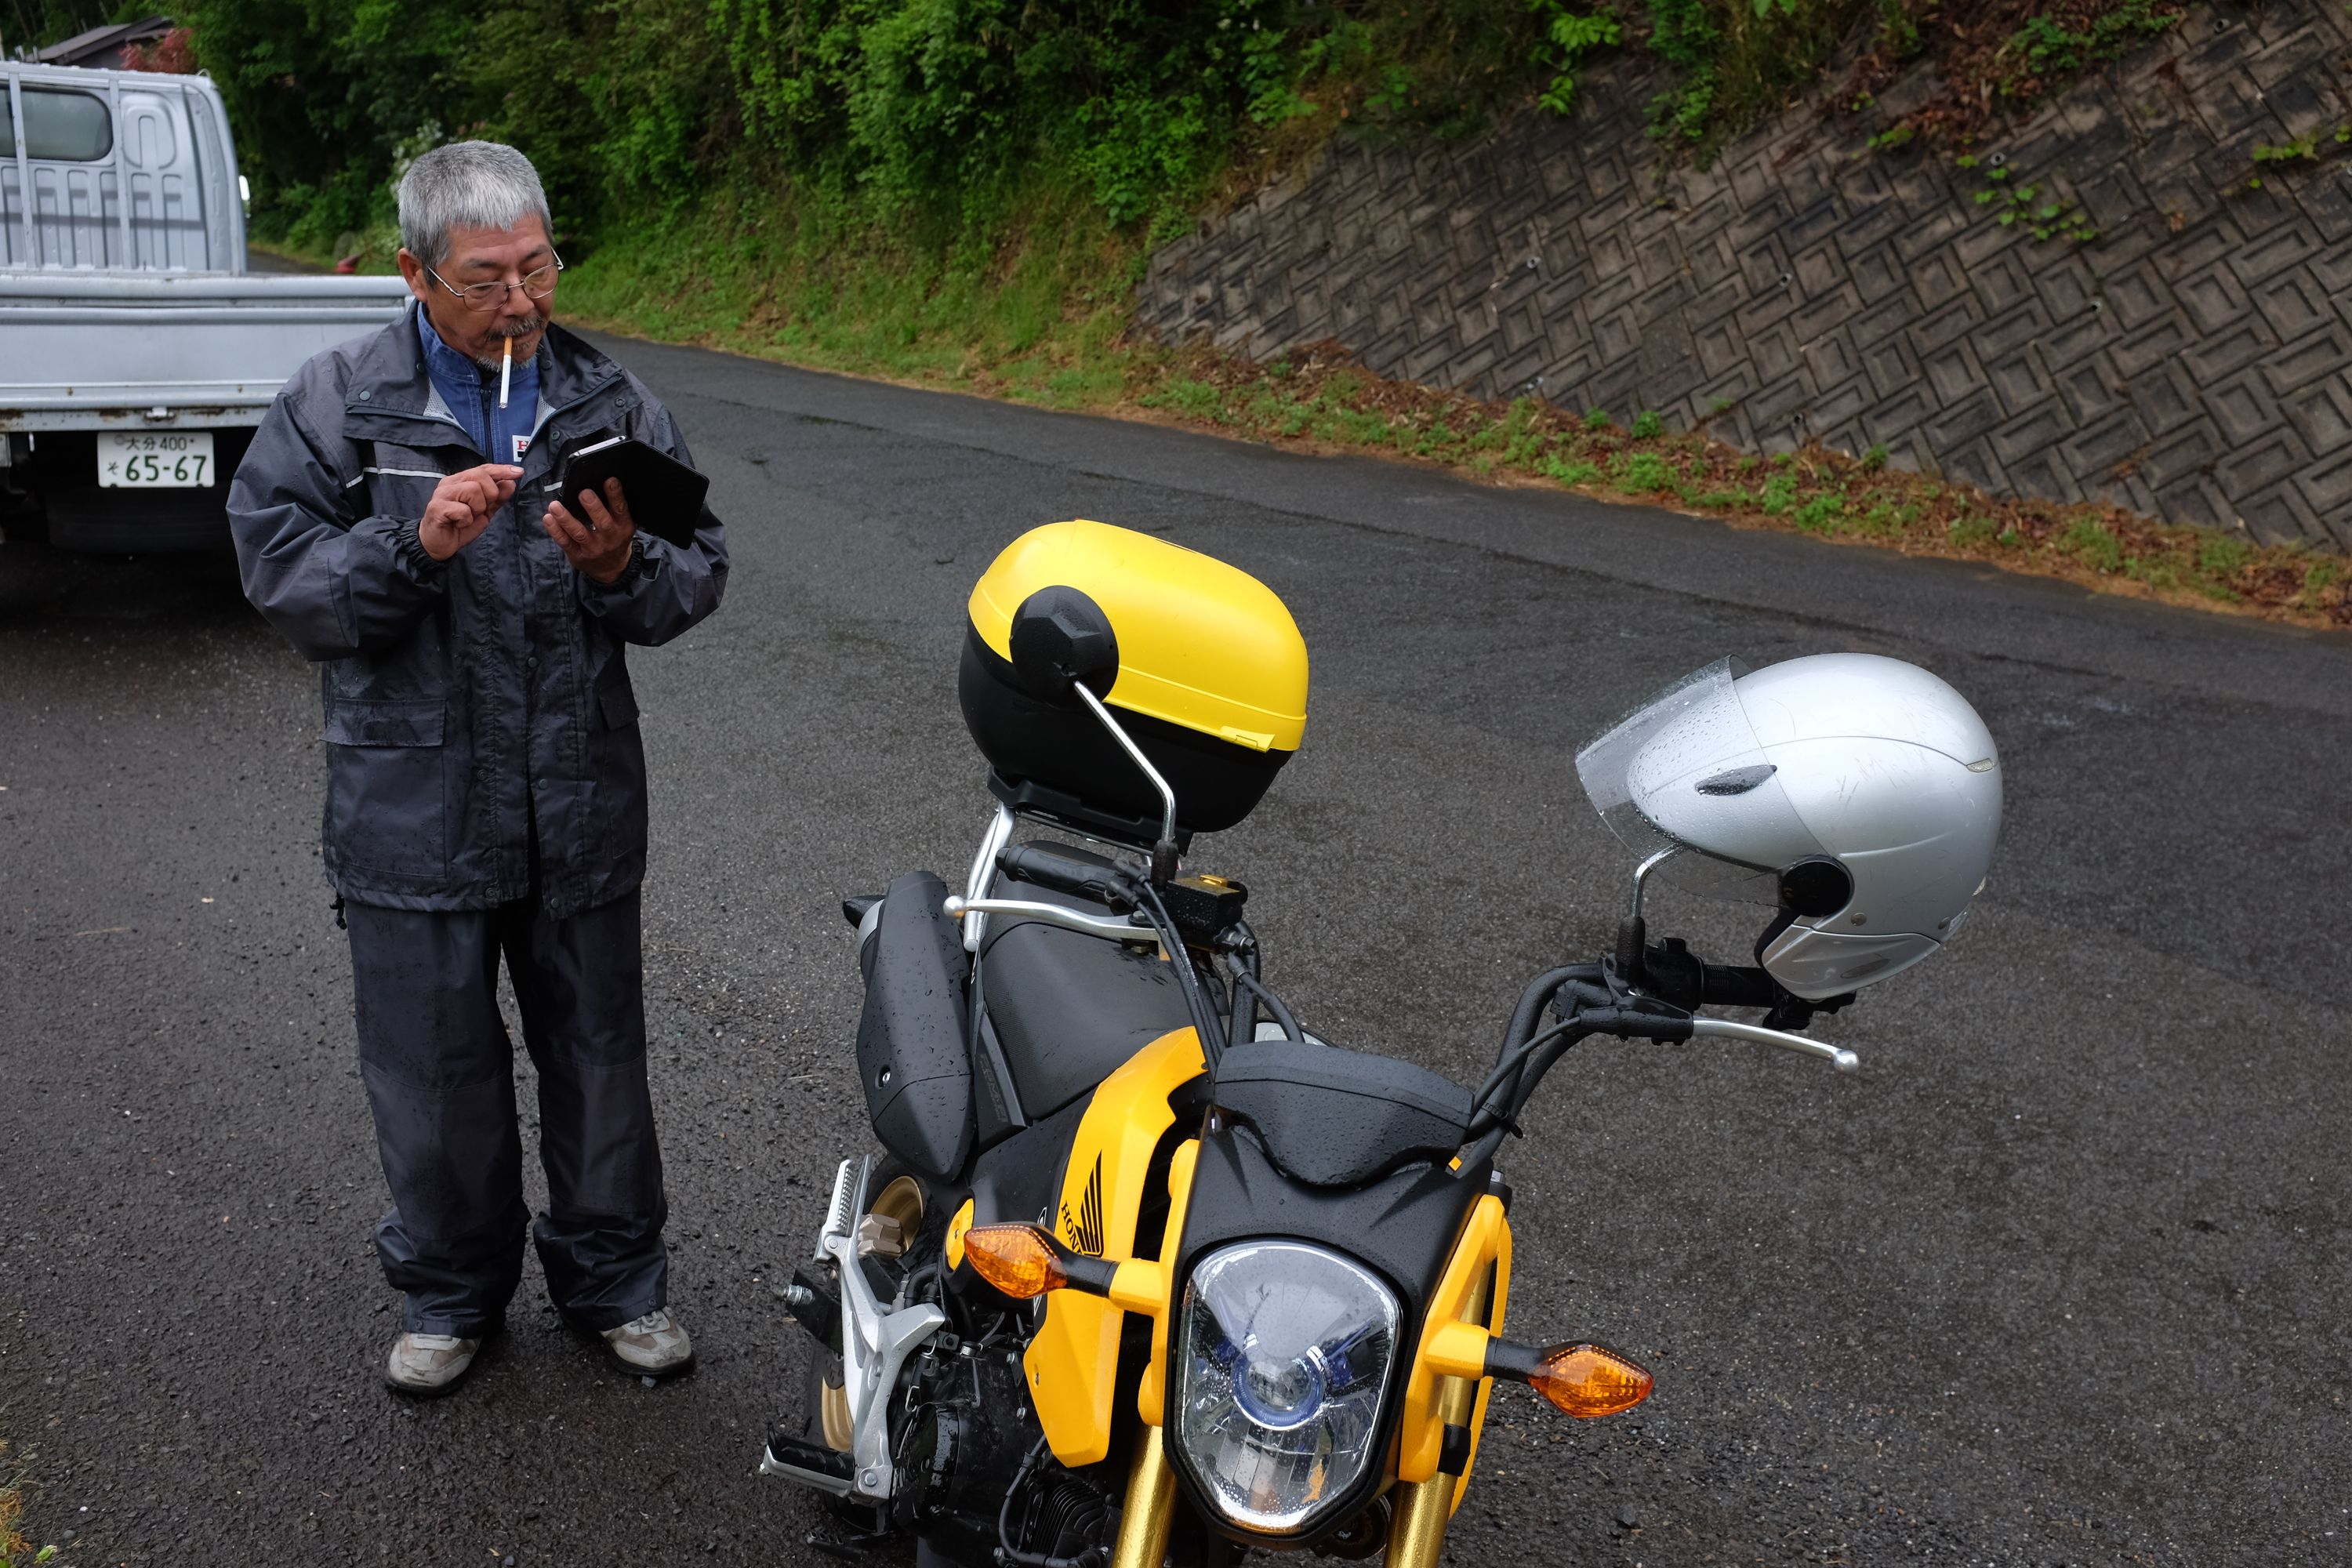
[1201, 645]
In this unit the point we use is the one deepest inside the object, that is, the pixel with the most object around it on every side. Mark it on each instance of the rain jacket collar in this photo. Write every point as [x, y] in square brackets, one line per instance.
[391, 395]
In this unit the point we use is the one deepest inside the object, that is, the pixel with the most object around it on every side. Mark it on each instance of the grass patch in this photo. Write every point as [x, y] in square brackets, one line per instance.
[1039, 313]
[16, 1551]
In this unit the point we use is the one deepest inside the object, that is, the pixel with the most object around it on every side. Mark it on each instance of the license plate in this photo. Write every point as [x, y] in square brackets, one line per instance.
[164, 460]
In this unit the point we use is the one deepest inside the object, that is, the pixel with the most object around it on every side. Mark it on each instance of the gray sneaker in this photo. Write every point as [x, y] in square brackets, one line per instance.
[654, 1345]
[429, 1363]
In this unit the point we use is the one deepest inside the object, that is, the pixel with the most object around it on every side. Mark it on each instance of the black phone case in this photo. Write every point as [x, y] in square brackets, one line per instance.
[665, 495]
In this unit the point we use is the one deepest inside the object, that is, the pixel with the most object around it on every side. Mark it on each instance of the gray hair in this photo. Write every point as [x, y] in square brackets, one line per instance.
[467, 184]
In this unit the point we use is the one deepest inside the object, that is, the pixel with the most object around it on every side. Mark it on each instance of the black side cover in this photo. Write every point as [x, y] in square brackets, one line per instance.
[910, 1039]
[1338, 1119]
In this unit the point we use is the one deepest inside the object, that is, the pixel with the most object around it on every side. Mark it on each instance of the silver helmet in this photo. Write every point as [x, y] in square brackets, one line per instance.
[1861, 796]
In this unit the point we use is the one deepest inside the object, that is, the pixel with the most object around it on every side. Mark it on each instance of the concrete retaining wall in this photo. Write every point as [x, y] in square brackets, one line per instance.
[2193, 361]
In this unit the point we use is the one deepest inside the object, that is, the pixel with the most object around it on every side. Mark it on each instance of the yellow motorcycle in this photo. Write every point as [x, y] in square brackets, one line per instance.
[1147, 1273]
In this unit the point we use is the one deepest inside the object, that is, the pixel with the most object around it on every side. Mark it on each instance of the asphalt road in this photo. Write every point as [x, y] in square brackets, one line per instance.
[2060, 1277]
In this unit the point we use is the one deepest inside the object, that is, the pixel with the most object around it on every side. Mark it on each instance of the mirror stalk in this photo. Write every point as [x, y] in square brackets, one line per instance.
[1164, 854]
[1632, 933]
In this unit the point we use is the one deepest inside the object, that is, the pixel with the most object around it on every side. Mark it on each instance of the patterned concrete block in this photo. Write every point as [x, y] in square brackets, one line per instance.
[2195, 357]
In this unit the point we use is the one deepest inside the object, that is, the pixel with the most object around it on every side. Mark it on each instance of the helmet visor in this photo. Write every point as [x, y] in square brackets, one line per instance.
[1684, 770]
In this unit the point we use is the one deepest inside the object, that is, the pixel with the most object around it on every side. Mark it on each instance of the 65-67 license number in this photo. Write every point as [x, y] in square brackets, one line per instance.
[164, 460]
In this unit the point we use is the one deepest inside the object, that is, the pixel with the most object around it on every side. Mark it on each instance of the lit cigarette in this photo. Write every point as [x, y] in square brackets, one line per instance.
[506, 372]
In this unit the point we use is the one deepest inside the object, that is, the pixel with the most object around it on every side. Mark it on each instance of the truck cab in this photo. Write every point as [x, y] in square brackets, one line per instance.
[78, 139]
[137, 351]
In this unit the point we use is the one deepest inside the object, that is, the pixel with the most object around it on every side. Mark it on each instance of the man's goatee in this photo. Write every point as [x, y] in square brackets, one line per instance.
[521, 327]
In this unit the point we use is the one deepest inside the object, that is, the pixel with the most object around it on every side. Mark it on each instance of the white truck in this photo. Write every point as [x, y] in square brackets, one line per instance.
[137, 352]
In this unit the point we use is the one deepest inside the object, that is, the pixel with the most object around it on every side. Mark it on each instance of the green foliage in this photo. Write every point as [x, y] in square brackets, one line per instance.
[2094, 545]
[1596, 420]
[1738, 60]
[2220, 555]
[2308, 147]
[1567, 39]
[1820, 513]
[2048, 47]
[2018, 204]
[1647, 424]
[1644, 473]
[1971, 531]
[1195, 399]
[923, 118]
[35, 24]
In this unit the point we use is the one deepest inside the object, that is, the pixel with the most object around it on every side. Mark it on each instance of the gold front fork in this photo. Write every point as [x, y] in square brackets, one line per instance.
[1423, 1509]
[1150, 1506]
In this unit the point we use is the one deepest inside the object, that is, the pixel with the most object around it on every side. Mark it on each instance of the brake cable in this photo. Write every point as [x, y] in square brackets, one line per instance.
[1274, 1004]
[1205, 1017]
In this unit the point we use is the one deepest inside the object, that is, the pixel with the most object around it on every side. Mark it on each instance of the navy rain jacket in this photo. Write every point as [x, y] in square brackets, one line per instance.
[473, 701]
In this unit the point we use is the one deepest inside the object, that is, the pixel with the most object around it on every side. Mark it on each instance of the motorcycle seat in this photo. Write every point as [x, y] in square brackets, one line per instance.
[1067, 1010]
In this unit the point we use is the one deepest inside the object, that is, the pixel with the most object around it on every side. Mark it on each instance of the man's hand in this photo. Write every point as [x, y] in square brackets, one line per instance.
[599, 547]
[462, 506]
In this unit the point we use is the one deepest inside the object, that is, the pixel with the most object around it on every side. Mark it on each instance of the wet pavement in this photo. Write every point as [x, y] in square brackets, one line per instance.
[2058, 1278]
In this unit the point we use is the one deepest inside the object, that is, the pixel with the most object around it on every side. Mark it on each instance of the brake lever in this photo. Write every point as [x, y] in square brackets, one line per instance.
[1837, 1056]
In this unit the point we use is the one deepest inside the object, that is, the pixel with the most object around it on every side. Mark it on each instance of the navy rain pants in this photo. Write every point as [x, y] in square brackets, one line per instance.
[440, 1079]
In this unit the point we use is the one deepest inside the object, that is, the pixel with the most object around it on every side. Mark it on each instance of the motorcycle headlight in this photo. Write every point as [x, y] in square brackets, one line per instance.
[1285, 1350]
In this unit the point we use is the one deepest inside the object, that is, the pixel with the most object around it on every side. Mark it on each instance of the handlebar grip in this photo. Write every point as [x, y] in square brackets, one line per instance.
[1726, 986]
[1042, 867]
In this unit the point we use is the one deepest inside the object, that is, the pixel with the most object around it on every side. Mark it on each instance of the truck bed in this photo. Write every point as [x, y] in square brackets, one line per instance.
[115, 351]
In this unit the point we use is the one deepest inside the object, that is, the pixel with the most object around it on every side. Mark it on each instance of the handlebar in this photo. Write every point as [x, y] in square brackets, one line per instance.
[1732, 985]
[1660, 1002]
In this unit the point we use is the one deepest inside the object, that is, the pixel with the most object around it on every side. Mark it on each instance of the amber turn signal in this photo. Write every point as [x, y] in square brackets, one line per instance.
[1020, 1260]
[1588, 1381]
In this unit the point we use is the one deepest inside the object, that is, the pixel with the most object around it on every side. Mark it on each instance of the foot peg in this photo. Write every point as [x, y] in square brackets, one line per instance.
[812, 1465]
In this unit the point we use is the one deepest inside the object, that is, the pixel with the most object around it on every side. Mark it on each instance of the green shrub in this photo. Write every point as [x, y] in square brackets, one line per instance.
[1821, 514]
[1644, 473]
[1647, 424]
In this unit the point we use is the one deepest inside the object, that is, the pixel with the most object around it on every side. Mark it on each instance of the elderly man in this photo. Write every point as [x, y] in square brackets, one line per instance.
[485, 785]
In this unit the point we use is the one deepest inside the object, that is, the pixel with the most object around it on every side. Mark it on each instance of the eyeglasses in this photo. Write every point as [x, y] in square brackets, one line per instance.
[537, 284]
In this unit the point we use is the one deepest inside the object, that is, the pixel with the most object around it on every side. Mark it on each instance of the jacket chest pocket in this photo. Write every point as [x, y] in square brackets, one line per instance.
[387, 786]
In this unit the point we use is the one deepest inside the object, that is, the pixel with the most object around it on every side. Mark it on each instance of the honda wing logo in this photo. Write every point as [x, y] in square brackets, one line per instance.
[1085, 1228]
